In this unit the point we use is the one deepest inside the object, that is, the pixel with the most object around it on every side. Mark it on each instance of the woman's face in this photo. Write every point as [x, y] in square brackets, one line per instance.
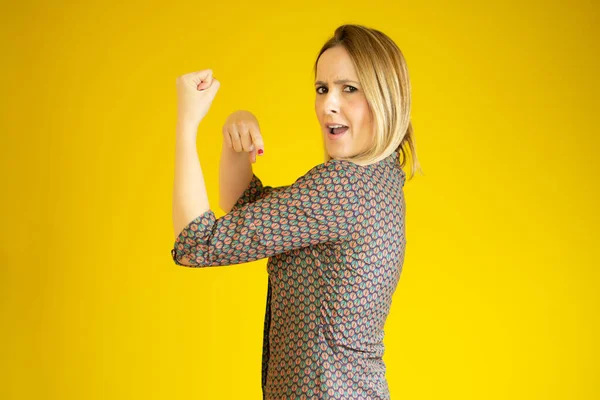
[342, 103]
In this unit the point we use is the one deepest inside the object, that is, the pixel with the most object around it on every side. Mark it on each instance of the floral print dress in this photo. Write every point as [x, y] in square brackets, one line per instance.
[335, 242]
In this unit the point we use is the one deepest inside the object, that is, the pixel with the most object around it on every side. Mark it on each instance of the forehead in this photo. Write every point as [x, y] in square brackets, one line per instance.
[335, 64]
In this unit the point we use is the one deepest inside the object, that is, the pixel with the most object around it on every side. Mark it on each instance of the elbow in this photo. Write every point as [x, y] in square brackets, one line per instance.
[193, 246]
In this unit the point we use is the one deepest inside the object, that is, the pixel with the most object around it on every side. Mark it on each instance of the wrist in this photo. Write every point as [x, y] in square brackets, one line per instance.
[186, 128]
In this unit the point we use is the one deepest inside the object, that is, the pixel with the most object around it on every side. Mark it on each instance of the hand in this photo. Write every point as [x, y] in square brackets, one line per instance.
[242, 134]
[195, 93]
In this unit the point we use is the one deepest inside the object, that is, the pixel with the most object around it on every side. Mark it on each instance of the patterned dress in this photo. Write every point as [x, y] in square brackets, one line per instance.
[335, 241]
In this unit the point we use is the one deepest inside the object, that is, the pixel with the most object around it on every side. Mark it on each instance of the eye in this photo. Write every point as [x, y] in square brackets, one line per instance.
[348, 86]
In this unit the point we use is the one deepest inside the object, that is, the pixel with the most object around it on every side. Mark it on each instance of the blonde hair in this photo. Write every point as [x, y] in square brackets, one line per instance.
[383, 74]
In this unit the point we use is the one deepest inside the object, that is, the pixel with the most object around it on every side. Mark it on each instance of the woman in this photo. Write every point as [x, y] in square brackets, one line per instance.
[335, 238]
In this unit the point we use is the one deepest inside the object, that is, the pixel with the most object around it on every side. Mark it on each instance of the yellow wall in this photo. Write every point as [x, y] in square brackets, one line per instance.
[499, 286]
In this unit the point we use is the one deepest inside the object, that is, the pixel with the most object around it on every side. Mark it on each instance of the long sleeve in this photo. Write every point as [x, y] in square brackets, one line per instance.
[320, 206]
[254, 191]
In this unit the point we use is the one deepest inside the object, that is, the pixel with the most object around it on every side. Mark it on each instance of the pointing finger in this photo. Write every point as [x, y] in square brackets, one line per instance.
[257, 139]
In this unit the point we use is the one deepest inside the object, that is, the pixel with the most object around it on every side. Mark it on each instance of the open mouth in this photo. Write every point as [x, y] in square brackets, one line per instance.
[338, 131]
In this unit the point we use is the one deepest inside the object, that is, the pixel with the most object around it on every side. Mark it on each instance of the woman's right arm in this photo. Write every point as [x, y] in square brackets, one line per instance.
[235, 174]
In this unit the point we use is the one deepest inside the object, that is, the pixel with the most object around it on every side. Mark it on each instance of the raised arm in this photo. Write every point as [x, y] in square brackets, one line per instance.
[189, 190]
[195, 93]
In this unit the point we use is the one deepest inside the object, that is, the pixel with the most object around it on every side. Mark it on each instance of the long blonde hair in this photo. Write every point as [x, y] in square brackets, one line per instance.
[383, 74]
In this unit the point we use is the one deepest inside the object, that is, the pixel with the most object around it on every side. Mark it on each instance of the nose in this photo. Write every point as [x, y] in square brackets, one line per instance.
[331, 103]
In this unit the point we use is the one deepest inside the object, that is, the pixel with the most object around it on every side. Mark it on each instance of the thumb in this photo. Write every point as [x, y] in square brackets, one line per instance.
[202, 79]
[198, 77]
[252, 156]
[211, 85]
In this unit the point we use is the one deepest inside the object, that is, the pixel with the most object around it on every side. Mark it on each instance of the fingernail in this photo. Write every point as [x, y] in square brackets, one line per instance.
[260, 152]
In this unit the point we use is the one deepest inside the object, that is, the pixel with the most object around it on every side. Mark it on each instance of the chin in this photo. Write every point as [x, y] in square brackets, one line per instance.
[335, 155]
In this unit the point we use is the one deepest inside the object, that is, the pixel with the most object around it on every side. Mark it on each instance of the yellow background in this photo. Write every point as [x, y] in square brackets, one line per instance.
[498, 298]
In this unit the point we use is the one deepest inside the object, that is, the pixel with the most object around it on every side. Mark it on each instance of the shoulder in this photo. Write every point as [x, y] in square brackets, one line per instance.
[332, 169]
[335, 179]
[329, 175]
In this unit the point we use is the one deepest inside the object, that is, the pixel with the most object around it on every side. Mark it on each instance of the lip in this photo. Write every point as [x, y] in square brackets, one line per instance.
[333, 123]
[335, 137]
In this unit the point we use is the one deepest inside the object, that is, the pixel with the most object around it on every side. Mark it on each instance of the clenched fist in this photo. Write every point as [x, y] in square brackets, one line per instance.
[195, 93]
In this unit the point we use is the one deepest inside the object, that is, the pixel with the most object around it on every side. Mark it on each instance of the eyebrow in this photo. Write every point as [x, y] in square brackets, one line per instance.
[337, 82]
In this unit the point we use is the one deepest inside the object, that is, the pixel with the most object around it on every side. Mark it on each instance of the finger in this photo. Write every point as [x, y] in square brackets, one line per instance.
[252, 156]
[227, 137]
[235, 139]
[200, 77]
[208, 83]
[246, 138]
[257, 138]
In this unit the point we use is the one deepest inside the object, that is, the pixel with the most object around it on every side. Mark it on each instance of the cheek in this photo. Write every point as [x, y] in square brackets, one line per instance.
[318, 106]
[360, 112]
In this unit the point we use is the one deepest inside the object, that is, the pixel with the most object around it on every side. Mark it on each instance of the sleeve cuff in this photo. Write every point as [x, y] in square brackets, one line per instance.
[192, 241]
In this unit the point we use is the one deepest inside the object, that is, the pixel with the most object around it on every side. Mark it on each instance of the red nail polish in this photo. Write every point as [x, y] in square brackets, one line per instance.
[260, 152]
